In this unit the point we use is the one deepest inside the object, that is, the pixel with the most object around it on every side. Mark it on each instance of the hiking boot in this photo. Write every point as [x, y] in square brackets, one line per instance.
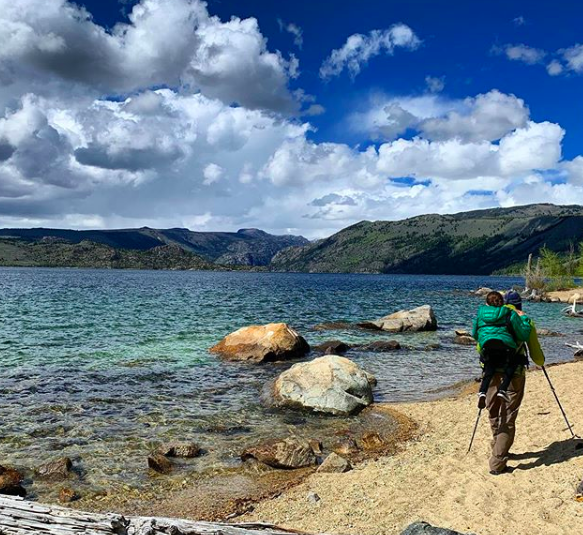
[481, 400]
[504, 395]
[506, 470]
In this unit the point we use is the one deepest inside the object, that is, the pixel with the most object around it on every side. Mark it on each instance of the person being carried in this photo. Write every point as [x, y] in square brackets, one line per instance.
[499, 330]
[512, 329]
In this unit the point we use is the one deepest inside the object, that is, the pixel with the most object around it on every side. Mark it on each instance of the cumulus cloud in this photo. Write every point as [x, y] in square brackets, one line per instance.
[168, 43]
[359, 48]
[486, 117]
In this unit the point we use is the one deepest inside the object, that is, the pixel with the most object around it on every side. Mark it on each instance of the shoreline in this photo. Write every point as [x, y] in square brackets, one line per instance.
[432, 479]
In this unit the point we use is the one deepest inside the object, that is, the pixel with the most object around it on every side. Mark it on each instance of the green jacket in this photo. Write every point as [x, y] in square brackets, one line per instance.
[492, 323]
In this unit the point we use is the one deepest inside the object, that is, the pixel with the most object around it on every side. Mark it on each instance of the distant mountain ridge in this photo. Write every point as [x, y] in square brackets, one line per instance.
[247, 247]
[477, 242]
[467, 243]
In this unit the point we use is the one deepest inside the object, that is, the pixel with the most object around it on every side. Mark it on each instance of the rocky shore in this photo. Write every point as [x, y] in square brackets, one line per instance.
[323, 382]
[432, 479]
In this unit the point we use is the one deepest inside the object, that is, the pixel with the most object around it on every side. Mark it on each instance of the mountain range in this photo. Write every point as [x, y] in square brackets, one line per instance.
[477, 242]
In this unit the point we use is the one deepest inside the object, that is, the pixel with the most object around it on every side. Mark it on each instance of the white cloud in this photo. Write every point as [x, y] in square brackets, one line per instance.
[521, 52]
[488, 117]
[435, 84]
[554, 68]
[485, 117]
[294, 30]
[359, 48]
[212, 173]
[573, 57]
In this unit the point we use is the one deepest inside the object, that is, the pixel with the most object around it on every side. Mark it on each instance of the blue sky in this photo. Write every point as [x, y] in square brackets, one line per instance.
[299, 117]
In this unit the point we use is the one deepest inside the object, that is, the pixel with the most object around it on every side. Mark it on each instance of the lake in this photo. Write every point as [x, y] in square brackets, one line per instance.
[103, 365]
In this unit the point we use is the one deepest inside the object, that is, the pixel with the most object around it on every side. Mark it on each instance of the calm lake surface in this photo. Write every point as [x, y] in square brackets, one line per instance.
[103, 365]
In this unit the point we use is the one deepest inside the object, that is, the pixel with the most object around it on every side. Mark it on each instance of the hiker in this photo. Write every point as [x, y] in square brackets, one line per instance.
[503, 332]
[499, 330]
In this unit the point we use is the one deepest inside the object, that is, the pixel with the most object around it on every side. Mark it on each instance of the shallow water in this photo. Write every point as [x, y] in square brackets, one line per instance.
[103, 365]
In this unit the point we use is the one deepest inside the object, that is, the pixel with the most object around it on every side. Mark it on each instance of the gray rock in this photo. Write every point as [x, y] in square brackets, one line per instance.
[418, 319]
[312, 497]
[330, 384]
[423, 528]
[334, 464]
[282, 453]
[464, 340]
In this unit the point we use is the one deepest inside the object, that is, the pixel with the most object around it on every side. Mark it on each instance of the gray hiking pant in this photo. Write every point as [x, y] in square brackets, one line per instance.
[503, 418]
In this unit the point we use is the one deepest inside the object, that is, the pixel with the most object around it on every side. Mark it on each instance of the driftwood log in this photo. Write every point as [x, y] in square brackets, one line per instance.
[19, 517]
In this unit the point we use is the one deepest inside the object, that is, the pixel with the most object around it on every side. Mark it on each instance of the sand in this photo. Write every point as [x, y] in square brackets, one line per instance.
[566, 296]
[433, 479]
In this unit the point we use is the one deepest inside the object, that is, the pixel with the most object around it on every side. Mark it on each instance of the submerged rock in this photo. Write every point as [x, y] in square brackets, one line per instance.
[56, 470]
[372, 441]
[68, 495]
[282, 453]
[11, 482]
[418, 319]
[548, 332]
[334, 464]
[262, 343]
[346, 447]
[334, 326]
[423, 528]
[330, 384]
[180, 449]
[380, 346]
[159, 463]
[332, 347]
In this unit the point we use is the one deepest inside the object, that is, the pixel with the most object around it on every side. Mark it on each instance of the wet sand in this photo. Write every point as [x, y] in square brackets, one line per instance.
[431, 478]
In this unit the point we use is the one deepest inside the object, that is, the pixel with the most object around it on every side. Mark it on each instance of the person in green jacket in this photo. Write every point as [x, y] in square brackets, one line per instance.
[499, 330]
[504, 411]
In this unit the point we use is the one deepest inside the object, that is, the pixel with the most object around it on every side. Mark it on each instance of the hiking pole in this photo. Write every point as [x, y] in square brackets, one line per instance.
[475, 429]
[573, 435]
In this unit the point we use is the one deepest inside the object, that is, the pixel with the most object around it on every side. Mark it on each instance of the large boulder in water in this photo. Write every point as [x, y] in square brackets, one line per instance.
[262, 343]
[330, 384]
[418, 319]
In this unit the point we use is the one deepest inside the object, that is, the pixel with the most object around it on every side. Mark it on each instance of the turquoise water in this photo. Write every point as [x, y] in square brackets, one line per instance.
[102, 365]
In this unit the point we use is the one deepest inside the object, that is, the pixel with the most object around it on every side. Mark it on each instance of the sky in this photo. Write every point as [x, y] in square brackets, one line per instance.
[296, 117]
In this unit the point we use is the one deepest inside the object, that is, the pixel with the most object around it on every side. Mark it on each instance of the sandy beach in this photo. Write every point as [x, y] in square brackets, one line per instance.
[433, 479]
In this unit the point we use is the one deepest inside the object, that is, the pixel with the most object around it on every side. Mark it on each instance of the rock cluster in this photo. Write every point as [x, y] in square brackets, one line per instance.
[262, 343]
